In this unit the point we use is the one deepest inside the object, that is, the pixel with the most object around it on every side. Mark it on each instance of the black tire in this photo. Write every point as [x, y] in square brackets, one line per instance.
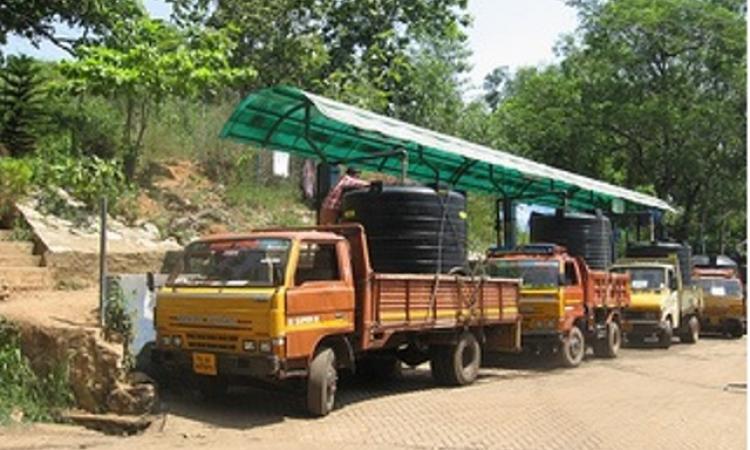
[665, 336]
[321, 383]
[692, 334]
[610, 345]
[457, 365]
[380, 368]
[737, 331]
[572, 349]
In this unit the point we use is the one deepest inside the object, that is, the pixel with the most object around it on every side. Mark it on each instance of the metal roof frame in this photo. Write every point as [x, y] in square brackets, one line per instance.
[288, 119]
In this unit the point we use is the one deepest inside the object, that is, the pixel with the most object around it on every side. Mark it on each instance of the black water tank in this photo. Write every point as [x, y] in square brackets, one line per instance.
[663, 249]
[410, 229]
[585, 235]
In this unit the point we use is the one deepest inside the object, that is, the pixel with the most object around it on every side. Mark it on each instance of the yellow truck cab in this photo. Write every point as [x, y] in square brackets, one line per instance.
[661, 305]
[724, 310]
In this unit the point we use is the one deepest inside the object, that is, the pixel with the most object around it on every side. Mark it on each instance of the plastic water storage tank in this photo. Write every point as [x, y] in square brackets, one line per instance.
[663, 249]
[410, 229]
[585, 235]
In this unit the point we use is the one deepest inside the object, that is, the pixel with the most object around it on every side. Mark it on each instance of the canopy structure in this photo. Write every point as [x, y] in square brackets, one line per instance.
[291, 120]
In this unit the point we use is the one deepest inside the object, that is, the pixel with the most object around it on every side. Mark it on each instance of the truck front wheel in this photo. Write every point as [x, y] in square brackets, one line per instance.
[572, 348]
[321, 383]
[457, 365]
[665, 337]
[610, 345]
[692, 334]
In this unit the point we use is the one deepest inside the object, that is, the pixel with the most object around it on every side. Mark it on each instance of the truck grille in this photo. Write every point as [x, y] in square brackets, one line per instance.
[212, 341]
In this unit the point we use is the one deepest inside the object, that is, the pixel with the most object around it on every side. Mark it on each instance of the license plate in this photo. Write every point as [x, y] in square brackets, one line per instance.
[204, 363]
[627, 327]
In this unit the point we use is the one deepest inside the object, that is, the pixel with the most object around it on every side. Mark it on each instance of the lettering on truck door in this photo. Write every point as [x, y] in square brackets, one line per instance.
[321, 300]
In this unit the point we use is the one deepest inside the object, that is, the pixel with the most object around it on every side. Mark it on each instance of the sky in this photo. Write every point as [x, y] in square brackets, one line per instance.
[510, 33]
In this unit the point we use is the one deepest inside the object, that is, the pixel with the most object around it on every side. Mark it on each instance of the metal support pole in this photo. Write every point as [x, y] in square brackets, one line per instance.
[404, 165]
[498, 226]
[102, 258]
[509, 223]
[651, 227]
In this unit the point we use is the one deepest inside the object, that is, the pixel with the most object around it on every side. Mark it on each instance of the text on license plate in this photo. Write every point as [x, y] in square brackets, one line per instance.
[204, 363]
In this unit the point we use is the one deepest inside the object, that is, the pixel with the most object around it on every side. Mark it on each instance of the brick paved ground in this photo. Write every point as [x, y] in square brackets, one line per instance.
[647, 398]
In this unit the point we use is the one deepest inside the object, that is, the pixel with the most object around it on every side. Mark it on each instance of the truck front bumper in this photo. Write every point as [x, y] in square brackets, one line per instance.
[723, 324]
[643, 327]
[255, 366]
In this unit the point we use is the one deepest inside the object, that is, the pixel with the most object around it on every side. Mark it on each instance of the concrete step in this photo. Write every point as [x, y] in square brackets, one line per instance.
[27, 278]
[20, 260]
[16, 247]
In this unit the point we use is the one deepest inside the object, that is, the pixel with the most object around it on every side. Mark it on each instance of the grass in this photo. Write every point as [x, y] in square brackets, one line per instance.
[24, 393]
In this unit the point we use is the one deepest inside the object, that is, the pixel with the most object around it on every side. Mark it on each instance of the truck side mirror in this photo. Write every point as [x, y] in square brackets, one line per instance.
[673, 284]
[150, 284]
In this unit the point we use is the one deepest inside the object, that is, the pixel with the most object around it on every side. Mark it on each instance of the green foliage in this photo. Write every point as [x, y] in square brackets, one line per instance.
[86, 179]
[20, 231]
[650, 95]
[37, 19]
[118, 321]
[37, 397]
[21, 105]
[15, 179]
[146, 61]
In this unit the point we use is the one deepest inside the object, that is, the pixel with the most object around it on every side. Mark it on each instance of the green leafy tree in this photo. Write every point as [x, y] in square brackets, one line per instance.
[650, 95]
[36, 20]
[145, 62]
[22, 98]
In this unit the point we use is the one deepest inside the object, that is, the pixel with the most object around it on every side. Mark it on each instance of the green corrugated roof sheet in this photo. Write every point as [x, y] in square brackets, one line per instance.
[291, 120]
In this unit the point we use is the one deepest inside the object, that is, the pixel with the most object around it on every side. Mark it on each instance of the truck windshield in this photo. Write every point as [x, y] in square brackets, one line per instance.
[246, 262]
[644, 278]
[720, 287]
[533, 273]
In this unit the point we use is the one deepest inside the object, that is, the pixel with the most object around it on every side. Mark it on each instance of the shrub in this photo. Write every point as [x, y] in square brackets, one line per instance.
[15, 179]
[87, 179]
[37, 397]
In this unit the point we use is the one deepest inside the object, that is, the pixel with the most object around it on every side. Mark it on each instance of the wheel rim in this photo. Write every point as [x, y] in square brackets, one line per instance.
[467, 357]
[615, 337]
[575, 345]
[331, 387]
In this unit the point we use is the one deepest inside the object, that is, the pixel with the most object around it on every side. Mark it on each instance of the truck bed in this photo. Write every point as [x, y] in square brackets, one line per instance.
[609, 290]
[417, 301]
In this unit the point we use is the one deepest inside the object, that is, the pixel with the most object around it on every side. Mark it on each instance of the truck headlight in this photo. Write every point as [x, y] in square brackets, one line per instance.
[166, 341]
[177, 341]
[249, 346]
[265, 346]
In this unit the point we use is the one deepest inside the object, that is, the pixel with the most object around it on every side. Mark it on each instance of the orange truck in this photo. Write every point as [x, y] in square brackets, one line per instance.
[303, 304]
[565, 305]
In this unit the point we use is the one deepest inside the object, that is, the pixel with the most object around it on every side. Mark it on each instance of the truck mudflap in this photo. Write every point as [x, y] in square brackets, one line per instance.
[504, 338]
[256, 366]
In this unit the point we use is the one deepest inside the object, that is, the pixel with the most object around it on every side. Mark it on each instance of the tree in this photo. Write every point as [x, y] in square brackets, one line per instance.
[36, 19]
[22, 111]
[648, 94]
[147, 61]
[325, 45]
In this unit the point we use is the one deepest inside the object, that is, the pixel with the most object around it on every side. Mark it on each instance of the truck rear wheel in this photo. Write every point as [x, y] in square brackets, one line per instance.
[572, 348]
[457, 365]
[665, 337]
[610, 345]
[692, 334]
[321, 383]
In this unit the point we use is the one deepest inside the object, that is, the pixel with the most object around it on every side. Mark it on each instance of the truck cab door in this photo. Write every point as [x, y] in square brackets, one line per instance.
[572, 290]
[320, 301]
